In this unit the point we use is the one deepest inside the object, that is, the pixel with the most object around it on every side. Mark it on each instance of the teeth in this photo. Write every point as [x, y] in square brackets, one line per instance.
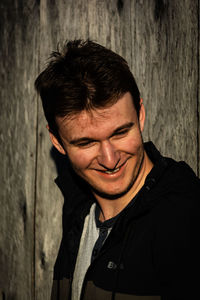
[111, 172]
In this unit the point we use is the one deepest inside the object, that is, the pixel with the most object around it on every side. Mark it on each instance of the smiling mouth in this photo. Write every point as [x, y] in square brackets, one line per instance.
[112, 171]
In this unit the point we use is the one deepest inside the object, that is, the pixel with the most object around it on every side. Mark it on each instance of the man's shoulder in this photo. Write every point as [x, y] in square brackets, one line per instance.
[179, 192]
[177, 188]
[173, 175]
[181, 178]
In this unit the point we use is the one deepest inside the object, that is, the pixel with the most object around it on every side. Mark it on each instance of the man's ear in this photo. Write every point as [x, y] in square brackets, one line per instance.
[141, 115]
[55, 142]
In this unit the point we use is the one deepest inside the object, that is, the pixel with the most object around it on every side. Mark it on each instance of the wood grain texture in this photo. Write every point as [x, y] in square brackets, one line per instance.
[163, 56]
[59, 21]
[160, 41]
[165, 61]
[18, 113]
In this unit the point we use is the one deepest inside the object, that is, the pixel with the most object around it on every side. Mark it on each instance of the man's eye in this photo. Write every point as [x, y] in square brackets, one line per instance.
[85, 144]
[121, 132]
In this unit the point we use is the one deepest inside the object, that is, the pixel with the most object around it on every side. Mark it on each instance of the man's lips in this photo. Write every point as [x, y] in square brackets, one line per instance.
[111, 171]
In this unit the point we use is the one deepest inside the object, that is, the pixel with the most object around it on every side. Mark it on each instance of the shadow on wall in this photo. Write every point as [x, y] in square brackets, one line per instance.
[69, 182]
[61, 161]
[74, 189]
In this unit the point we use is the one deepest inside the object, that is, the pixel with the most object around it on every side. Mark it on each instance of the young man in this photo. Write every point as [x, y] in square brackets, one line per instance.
[130, 217]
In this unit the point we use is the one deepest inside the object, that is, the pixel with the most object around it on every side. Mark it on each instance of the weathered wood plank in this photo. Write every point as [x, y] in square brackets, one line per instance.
[110, 25]
[165, 61]
[59, 20]
[49, 200]
[18, 68]
[160, 41]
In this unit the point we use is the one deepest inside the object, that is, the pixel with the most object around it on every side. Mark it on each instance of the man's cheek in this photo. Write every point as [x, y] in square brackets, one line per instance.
[78, 162]
[131, 146]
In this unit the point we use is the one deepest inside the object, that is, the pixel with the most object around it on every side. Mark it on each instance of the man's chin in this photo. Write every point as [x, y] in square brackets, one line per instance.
[111, 196]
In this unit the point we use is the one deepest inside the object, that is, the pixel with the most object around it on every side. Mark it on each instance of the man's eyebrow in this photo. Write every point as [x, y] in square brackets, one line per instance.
[88, 140]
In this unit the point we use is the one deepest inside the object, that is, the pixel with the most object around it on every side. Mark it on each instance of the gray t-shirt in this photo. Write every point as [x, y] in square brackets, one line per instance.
[89, 236]
[93, 237]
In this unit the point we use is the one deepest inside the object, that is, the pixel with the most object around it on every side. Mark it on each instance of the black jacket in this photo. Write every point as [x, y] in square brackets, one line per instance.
[153, 247]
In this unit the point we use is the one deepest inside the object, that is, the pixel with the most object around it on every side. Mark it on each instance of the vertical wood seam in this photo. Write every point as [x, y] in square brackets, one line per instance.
[131, 38]
[36, 160]
[35, 201]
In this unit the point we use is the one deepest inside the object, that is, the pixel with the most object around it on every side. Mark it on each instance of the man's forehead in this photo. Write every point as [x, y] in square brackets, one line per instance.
[120, 112]
[92, 117]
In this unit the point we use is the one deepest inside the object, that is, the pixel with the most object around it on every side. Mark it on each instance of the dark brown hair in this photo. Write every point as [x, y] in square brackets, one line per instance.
[83, 76]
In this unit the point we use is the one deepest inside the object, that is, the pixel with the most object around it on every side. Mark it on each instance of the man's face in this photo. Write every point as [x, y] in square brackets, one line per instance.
[105, 146]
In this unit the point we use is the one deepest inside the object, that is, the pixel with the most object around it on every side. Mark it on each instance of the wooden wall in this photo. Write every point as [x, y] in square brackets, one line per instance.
[159, 39]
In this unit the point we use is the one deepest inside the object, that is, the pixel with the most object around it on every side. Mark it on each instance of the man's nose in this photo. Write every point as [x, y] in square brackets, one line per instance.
[108, 156]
